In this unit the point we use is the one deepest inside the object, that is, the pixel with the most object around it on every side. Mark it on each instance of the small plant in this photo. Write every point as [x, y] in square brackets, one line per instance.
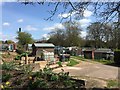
[27, 69]
[6, 77]
[113, 84]
[18, 81]
[69, 83]
[47, 70]
[6, 56]
[38, 74]
[64, 76]
[18, 57]
[54, 77]
[38, 83]
[8, 66]
[6, 86]
[72, 62]
[59, 63]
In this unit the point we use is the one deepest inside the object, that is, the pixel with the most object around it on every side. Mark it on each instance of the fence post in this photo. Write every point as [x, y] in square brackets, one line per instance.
[26, 59]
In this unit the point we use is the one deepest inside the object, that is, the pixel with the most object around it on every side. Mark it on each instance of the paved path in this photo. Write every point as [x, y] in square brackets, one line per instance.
[92, 69]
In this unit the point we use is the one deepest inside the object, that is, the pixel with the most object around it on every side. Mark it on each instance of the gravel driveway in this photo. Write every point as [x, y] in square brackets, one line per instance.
[92, 69]
[95, 74]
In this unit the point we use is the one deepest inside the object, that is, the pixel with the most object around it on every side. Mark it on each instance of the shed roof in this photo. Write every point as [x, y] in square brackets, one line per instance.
[103, 50]
[43, 45]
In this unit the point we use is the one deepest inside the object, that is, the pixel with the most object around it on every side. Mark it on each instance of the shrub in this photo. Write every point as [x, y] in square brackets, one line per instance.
[68, 83]
[24, 54]
[117, 57]
[20, 51]
[54, 77]
[18, 57]
[38, 83]
[38, 74]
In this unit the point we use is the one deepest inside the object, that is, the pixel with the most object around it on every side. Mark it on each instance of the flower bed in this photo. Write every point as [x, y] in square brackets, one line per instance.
[25, 78]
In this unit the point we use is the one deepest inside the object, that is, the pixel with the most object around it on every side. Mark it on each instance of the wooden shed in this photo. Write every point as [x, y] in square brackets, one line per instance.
[88, 53]
[39, 47]
[100, 53]
[103, 53]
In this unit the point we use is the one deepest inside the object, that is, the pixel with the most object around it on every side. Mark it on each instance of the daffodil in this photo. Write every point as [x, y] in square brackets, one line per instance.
[7, 83]
[30, 77]
[2, 86]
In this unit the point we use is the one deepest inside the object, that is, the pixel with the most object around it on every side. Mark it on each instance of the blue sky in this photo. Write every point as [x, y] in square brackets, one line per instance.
[31, 19]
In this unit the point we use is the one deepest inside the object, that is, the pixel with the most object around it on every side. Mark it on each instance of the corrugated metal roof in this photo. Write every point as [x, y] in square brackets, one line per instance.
[29, 45]
[103, 50]
[42, 45]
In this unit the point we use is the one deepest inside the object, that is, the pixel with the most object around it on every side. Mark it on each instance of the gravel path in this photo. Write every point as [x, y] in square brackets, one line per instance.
[97, 70]
[98, 73]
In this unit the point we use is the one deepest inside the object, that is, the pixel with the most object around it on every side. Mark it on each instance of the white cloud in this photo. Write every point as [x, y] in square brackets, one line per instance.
[57, 25]
[6, 24]
[83, 34]
[20, 20]
[48, 28]
[84, 22]
[46, 36]
[30, 28]
[65, 15]
[87, 13]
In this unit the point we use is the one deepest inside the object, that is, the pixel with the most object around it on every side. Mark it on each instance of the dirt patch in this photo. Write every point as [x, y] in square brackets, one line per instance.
[8, 57]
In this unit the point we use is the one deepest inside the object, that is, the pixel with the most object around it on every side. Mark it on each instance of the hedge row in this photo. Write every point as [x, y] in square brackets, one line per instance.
[117, 57]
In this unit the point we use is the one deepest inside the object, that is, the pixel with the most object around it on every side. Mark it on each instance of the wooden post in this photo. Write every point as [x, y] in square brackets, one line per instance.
[26, 59]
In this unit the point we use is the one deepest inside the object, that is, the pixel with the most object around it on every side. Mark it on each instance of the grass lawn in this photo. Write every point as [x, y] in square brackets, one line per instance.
[112, 84]
[105, 61]
[79, 58]
[72, 62]
[100, 61]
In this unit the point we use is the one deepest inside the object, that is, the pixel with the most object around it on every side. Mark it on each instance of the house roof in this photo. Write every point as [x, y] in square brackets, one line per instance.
[42, 45]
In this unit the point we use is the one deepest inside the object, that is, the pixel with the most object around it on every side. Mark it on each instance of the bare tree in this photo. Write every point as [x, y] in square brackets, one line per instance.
[69, 36]
[106, 10]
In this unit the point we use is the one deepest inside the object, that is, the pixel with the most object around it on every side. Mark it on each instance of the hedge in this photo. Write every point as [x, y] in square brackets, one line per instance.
[117, 57]
[20, 51]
